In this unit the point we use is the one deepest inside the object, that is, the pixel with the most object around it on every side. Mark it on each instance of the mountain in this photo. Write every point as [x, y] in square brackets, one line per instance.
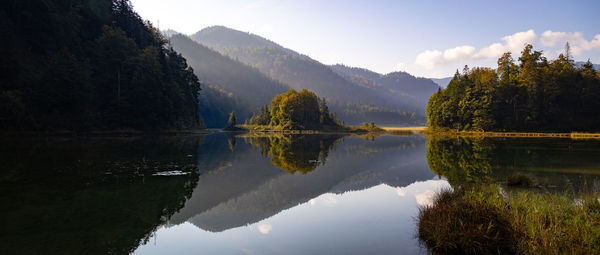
[581, 63]
[402, 86]
[228, 84]
[442, 82]
[230, 196]
[354, 103]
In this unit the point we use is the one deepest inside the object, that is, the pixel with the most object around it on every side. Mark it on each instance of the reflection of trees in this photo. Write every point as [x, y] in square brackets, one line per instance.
[302, 153]
[459, 159]
[554, 164]
[73, 196]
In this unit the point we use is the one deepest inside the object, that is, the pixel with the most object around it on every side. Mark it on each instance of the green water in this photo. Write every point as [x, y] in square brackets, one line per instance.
[251, 194]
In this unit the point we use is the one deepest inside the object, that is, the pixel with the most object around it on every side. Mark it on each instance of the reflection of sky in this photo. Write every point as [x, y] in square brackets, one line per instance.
[375, 220]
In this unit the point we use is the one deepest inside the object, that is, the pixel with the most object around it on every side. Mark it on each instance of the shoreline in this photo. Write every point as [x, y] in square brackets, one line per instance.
[571, 135]
[105, 133]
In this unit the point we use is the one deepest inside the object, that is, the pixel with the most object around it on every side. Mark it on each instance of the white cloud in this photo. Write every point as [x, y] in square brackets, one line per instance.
[514, 43]
[429, 58]
[425, 198]
[493, 51]
[401, 191]
[459, 53]
[265, 228]
[579, 45]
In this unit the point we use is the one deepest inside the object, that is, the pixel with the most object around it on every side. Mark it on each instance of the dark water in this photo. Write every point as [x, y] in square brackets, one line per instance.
[250, 194]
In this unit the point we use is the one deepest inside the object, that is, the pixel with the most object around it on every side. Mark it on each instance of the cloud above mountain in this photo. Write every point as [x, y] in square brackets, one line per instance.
[514, 43]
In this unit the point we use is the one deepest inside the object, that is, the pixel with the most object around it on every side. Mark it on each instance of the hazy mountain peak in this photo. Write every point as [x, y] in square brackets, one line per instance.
[224, 37]
[169, 32]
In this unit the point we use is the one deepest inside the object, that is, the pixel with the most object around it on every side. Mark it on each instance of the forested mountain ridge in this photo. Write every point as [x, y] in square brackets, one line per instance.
[229, 85]
[90, 65]
[442, 82]
[412, 91]
[534, 95]
[352, 102]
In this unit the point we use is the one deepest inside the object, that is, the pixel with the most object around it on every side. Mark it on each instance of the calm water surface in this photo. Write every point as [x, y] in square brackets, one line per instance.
[255, 194]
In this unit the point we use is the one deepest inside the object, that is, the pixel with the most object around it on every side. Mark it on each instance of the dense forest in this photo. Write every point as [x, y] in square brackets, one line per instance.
[298, 71]
[534, 95]
[228, 84]
[297, 111]
[90, 65]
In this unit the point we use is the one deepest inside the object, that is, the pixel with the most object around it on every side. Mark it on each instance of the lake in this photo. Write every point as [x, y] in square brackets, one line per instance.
[255, 193]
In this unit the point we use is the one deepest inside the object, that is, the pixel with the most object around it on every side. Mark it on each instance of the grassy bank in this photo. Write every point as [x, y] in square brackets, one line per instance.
[326, 129]
[572, 135]
[489, 220]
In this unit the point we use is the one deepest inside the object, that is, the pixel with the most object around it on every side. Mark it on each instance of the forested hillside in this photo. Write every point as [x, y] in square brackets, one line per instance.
[411, 91]
[90, 65]
[535, 95]
[353, 103]
[230, 85]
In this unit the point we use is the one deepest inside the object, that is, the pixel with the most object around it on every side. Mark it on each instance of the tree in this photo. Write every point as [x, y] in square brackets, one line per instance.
[232, 120]
[536, 95]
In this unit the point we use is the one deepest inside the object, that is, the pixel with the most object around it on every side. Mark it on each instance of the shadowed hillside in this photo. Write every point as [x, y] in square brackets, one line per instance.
[354, 103]
[230, 85]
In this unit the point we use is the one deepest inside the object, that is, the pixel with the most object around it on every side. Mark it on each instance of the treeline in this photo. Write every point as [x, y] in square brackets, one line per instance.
[296, 111]
[90, 65]
[535, 95]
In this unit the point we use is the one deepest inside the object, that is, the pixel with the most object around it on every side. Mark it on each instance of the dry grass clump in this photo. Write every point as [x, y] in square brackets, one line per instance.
[518, 179]
[485, 220]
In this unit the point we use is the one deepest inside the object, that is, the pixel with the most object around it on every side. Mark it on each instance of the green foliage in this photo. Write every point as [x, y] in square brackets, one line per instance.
[294, 153]
[90, 65]
[536, 95]
[231, 123]
[296, 111]
[486, 220]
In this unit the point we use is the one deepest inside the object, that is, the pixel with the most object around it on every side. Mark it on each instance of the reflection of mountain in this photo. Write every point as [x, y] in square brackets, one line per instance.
[73, 196]
[562, 163]
[252, 189]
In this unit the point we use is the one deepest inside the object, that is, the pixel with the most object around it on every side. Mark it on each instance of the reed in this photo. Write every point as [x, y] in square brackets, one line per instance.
[490, 220]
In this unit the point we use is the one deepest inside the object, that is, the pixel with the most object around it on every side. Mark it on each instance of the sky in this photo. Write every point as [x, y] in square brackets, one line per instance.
[425, 38]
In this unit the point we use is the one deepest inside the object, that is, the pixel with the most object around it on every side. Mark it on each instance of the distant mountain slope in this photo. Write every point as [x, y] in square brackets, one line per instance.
[353, 102]
[229, 84]
[397, 85]
[442, 82]
[581, 63]
[220, 37]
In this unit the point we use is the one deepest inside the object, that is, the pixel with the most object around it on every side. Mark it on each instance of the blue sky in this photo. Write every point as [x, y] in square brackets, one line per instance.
[424, 38]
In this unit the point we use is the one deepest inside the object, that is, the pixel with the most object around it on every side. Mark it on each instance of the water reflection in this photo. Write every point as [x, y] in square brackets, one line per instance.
[294, 153]
[556, 165]
[371, 221]
[249, 187]
[71, 196]
[265, 194]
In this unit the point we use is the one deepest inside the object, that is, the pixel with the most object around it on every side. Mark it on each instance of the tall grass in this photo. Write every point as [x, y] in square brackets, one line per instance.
[488, 220]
